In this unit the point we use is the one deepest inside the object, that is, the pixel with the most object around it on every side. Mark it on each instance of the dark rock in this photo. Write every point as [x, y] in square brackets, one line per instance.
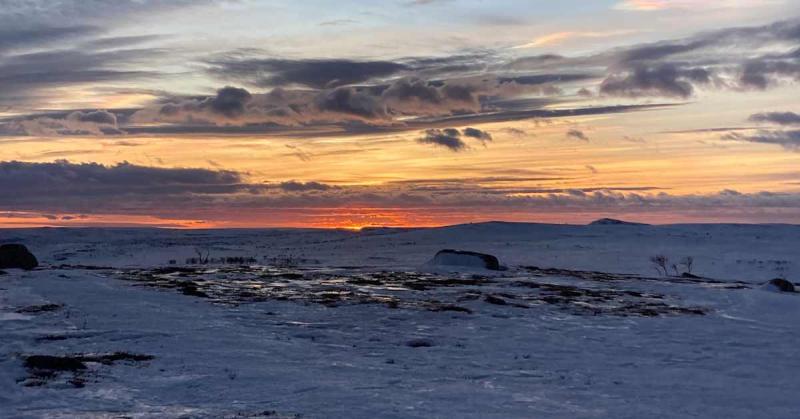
[54, 363]
[419, 343]
[44, 368]
[781, 285]
[17, 256]
[450, 257]
[43, 308]
[690, 276]
[190, 288]
[450, 307]
[491, 299]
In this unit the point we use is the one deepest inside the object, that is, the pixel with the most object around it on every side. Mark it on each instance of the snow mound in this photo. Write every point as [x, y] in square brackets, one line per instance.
[450, 257]
[779, 285]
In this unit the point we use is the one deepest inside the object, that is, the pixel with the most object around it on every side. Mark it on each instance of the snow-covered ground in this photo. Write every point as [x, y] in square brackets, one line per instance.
[356, 324]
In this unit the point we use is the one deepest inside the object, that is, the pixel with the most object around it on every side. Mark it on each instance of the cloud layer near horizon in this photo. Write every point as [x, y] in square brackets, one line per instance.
[67, 188]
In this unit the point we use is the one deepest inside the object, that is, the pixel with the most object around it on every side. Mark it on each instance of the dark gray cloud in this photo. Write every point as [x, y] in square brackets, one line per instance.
[230, 101]
[789, 139]
[451, 138]
[780, 118]
[352, 96]
[723, 58]
[336, 125]
[667, 80]
[315, 73]
[712, 42]
[25, 13]
[14, 38]
[46, 45]
[418, 97]
[537, 79]
[30, 182]
[447, 137]
[481, 135]
[97, 117]
[295, 186]
[25, 78]
[576, 134]
[763, 72]
[350, 101]
[93, 122]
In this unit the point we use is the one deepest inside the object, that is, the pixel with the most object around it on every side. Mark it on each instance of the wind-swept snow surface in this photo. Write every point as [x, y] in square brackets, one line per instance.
[283, 323]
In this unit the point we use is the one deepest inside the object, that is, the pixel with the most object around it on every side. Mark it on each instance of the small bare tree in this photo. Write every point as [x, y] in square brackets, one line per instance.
[202, 257]
[688, 263]
[675, 269]
[660, 262]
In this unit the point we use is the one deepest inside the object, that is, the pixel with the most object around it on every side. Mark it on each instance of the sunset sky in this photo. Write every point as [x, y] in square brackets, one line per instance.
[246, 113]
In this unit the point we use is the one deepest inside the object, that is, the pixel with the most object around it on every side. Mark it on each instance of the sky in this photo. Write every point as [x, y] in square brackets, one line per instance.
[349, 114]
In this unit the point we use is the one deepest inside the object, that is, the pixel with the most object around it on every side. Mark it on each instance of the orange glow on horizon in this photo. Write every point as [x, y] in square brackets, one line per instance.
[358, 218]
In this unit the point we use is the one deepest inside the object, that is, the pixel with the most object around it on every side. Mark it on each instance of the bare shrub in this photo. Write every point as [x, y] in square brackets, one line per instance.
[688, 263]
[660, 262]
[202, 255]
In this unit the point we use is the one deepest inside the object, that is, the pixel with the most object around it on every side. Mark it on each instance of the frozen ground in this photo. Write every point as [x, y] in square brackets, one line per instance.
[351, 324]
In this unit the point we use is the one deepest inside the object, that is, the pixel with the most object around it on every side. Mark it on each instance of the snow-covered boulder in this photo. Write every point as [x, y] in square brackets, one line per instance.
[17, 256]
[450, 257]
[779, 285]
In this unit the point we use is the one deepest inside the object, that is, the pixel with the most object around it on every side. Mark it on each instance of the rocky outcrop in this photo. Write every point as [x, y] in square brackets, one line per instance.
[450, 257]
[17, 256]
[780, 285]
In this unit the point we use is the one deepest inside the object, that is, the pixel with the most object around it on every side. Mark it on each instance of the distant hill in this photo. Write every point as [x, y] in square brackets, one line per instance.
[614, 222]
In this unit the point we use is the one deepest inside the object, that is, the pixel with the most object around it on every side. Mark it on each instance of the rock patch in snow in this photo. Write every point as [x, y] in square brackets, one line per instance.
[450, 257]
[45, 368]
[419, 343]
[17, 256]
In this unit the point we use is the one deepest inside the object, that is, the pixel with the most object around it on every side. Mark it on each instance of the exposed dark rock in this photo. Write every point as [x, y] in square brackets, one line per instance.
[174, 270]
[781, 285]
[450, 257]
[450, 307]
[86, 267]
[17, 256]
[419, 343]
[43, 368]
[43, 308]
[190, 288]
[47, 363]
[406, 290]
[491, 299]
